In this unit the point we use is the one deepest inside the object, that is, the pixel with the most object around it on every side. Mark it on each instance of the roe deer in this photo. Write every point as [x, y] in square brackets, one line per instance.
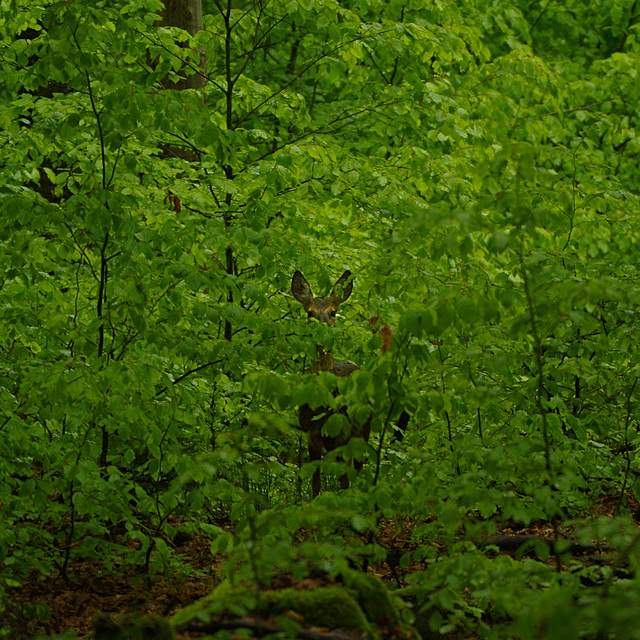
[313, 420]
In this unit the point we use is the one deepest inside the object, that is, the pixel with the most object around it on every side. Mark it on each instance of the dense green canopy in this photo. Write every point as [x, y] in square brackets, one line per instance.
[475, 165]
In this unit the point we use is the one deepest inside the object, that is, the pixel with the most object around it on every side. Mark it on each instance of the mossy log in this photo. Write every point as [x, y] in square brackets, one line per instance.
[364, 605]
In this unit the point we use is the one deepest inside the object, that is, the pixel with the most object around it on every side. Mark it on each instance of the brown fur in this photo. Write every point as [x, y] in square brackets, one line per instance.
[313, 420]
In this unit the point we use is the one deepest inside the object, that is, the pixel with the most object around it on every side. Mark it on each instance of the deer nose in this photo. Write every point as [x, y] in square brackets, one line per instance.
[328, 316]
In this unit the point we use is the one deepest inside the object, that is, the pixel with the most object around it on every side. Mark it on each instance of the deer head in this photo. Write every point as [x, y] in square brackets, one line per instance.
[322, 309]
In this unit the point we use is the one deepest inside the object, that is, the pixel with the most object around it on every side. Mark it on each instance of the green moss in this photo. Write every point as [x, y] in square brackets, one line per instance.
[373, 598]
[331, 606]
[363, 604]
[223, 600]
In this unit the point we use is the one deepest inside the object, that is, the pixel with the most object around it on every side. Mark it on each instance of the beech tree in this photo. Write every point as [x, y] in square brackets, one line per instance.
[474, 165]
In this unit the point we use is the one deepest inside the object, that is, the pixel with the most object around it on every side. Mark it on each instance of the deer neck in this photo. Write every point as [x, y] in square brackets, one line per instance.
[324, 362]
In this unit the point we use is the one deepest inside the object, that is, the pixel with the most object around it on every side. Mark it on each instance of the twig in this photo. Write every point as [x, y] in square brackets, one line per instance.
[260, 629]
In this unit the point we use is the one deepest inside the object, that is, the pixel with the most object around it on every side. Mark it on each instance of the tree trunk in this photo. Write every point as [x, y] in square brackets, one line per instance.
[187, 15]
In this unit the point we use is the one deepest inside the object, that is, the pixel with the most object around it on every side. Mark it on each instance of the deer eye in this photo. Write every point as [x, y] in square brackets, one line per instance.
[332, 314]
[310, 314]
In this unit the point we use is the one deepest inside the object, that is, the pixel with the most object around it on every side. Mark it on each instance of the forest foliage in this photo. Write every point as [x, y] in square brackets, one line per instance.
[475, 165]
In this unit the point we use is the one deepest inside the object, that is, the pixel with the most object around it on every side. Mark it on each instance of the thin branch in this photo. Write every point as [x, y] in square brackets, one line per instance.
[260, 629]
[186, 63]
[539, 357]
[298, 76]
[627, 454]
[187, 374]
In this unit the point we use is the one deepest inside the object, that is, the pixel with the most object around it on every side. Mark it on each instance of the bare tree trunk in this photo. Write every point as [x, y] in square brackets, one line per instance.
[187, 15]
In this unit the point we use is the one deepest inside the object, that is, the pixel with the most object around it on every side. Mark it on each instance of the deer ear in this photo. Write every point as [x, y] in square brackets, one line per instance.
[341, 291]
[301, 290]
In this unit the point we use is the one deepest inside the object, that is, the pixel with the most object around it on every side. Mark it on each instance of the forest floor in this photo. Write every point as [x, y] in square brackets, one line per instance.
[47, 606]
